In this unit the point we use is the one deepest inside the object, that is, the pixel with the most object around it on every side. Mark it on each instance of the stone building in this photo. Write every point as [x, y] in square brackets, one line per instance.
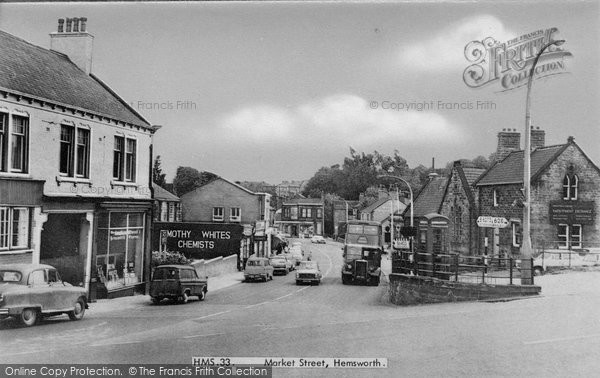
[74, 166]
[460, 206]
[302, 217]
[167, 206]
[565, 198]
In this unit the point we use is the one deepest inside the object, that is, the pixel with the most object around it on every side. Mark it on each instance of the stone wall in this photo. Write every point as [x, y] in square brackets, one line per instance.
[216, 267]
[411, 290]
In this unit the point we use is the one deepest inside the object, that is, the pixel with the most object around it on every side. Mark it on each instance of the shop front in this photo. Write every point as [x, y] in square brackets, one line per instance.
[122, 255]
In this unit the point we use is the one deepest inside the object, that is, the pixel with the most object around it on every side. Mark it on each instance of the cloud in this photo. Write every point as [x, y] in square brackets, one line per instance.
[342, 119]
[445, 51]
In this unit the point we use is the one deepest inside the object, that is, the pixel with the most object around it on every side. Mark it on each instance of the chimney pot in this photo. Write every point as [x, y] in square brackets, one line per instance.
[61, 25]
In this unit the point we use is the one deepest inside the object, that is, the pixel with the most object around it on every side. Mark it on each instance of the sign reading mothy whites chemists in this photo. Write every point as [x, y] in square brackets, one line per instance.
[508, 63]
[197, 240]
[571, 212]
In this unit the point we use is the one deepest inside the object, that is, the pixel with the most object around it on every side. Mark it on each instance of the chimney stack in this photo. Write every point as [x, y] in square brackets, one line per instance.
[508, 140]
[538, 138]
[74, 41]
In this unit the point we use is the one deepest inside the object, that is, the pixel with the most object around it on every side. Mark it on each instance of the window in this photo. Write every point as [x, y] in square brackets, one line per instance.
[217, 214]
[14, 228]
[83, 153]
[517, 234]
[235, 214]
[457, 220]
[124, 159]
[37, 277]
[569, 236]
[306, 212]
[118, 157]
[19, 142]
[171, 212]
[319, 213]
[66, 150]
[495, 197]
[164, 211]
[570, 187]
[3, 141]
[130, 155]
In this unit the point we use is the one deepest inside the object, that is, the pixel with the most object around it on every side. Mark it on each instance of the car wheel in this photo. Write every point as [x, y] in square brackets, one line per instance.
[78, 311]
[345, 280]
[156, 300]
[297, 282]
[183, 298]
[29, 317]
[202, 295]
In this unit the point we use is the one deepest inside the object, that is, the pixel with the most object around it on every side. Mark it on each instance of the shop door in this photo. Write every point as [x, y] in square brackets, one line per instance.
[64, 245]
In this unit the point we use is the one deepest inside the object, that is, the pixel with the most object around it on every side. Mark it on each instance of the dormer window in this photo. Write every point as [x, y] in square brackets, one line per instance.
[570, 187]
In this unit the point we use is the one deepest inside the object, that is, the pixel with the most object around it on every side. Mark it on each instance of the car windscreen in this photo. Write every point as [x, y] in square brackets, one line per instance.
[308, 265]
[10, 276]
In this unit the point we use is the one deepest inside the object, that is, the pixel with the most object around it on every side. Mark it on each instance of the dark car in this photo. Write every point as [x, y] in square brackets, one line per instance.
[177, 282]
[31, 291]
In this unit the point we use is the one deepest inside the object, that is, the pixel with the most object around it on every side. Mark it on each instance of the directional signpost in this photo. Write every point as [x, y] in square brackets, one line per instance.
[492, 222]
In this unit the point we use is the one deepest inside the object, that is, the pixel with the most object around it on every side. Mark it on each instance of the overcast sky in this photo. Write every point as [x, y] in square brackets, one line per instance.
[274, 91]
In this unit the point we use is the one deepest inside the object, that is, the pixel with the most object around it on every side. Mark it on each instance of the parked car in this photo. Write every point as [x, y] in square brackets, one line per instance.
[280, 264]
[258, 268]
[308, 272]
[317, 239]
[298, 254]
[31, 291]
[177, 282]
[291, 258]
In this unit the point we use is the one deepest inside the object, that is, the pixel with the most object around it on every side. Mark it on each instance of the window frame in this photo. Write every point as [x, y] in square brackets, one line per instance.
[495, 201]
[218, 214]
[516, 234]
[7, 225]
[235, 218]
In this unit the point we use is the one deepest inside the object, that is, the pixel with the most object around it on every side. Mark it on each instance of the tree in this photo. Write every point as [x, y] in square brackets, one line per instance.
[188, 178]
[158, 177]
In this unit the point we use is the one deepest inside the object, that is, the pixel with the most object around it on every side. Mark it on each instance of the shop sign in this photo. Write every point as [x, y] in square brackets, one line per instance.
[197, 240]
[492, 222]
[122, 234]
[568, 212]
[247, 230]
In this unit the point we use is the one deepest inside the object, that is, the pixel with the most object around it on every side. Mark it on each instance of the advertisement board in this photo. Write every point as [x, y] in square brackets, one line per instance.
[570, 212]
[197, 240]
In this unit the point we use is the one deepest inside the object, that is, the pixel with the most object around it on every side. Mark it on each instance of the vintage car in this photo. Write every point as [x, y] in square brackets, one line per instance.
[318, 239]
[31, 291]
[308, 272]
[177, 282]
[258, 268]
[280, 264]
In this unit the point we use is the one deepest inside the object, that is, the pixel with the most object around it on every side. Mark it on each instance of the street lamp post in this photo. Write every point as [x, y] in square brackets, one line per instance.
[411, 205]
[526, 249]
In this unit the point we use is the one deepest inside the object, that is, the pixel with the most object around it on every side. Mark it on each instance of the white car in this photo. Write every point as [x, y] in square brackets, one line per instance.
[317, 239]
[308, 272]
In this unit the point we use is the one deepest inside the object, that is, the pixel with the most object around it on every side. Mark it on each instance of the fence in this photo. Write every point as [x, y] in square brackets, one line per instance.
[459, 268]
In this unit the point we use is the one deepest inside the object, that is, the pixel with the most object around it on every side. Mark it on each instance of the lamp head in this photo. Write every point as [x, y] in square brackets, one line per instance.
[559, 42]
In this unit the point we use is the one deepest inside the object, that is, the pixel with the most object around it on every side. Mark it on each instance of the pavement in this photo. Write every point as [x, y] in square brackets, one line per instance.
[214, 284]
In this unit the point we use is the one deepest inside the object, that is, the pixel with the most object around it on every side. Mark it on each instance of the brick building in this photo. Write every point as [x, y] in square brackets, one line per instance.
[74, 166]
[459, 204]
[565, 198]
[302, 216]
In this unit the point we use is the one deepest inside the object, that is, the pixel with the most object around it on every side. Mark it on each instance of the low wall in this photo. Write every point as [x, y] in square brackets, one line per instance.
[410, 290]
[216, 267]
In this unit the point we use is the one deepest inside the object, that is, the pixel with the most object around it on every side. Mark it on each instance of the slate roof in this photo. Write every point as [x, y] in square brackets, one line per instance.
[162, 194]
[430, 197]
[375, 205]
[44, 74]
[510, 169]
[472, 174]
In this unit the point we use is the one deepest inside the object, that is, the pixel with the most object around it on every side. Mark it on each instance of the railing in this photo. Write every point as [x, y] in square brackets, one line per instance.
[459, 268]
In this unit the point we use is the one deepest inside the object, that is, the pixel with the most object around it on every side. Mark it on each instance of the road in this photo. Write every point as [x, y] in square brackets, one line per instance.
[556, 334]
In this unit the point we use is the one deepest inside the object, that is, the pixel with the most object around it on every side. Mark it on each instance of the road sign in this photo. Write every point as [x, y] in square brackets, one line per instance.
[493, 222]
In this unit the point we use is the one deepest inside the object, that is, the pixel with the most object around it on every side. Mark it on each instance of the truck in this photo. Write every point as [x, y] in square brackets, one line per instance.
[363, 246]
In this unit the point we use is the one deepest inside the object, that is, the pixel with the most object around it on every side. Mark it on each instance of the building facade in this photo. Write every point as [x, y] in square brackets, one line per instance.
[167, 206]
[565, 199]
[60, 128]
[302, 217]
[459, 205]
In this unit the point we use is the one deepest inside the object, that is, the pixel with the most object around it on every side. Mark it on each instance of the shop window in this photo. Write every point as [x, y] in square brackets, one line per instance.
[120, 246]
[217, 214]
[235, 214]
[14, 228]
